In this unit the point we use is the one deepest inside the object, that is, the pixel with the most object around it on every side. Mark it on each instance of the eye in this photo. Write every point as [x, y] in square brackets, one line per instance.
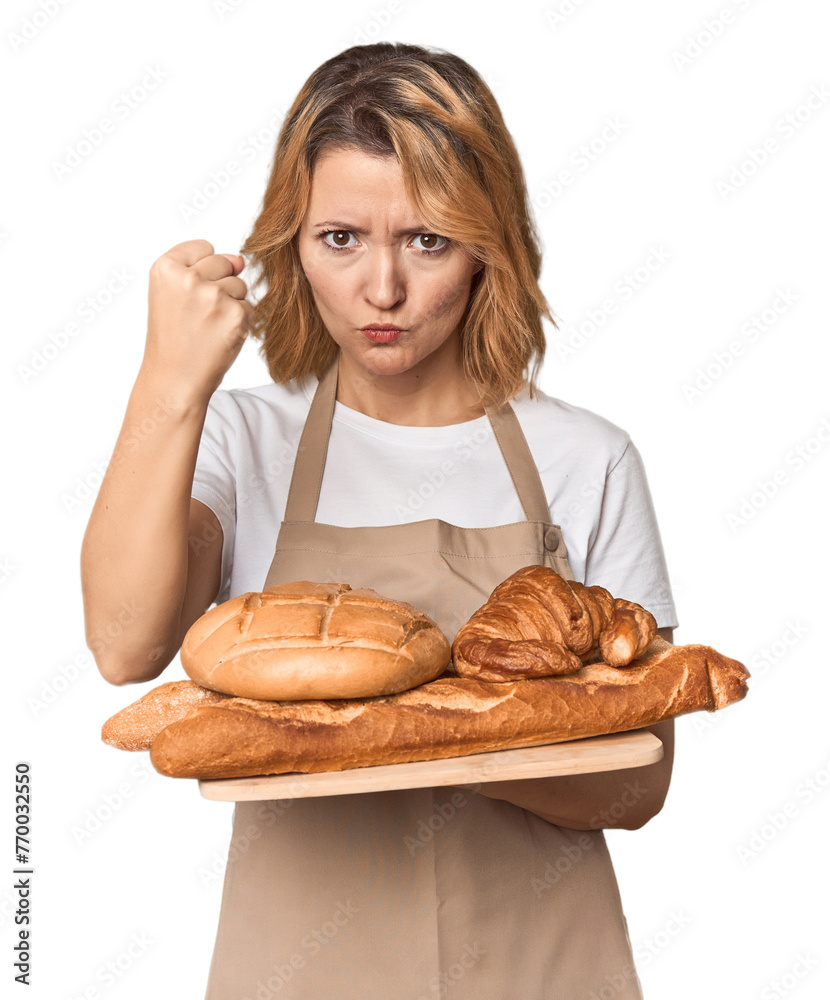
[339, 238]
[429, 241]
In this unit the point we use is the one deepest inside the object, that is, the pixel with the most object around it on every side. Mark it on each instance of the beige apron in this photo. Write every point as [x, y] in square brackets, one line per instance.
[422, 893]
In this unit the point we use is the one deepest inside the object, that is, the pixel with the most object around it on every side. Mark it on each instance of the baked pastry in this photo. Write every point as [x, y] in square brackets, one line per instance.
[313, 640]
[136, 726]
[538, 624]
[205, 735]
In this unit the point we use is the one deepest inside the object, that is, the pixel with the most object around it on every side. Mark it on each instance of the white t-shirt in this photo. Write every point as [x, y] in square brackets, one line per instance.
[379, 473]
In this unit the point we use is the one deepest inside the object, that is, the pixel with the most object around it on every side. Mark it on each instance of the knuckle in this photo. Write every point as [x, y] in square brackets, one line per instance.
[191, 281]
[216, 300]
[238, 313]
[161, 267]
[202, 245]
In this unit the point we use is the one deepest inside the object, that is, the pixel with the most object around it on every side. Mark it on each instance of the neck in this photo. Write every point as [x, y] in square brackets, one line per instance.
[423, 396]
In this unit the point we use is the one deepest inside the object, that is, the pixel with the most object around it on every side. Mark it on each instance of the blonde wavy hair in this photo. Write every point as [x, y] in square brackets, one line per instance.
[431, 110]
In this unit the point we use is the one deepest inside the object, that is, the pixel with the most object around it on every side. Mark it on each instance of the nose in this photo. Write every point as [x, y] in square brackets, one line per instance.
[384, 278]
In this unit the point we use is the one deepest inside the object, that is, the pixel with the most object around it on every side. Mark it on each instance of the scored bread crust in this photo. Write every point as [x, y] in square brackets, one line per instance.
[448, 717]
[306, 640]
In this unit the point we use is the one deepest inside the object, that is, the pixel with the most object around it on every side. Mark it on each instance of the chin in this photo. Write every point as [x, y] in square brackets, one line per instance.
[381, 359]
[386, 366]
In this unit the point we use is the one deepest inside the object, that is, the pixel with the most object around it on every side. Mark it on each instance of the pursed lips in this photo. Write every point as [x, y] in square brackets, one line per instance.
[382, 335]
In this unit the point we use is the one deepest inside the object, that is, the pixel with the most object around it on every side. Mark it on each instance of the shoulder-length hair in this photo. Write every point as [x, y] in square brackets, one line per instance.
[433, 111]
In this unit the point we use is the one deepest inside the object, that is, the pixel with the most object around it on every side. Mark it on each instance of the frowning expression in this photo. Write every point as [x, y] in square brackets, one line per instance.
[371, 262]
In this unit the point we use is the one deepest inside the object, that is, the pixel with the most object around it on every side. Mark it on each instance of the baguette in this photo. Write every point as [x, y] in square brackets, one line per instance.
[136, 726]
[447, 717]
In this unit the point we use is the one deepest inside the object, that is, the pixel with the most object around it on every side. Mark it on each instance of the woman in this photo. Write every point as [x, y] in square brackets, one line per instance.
[402, 446]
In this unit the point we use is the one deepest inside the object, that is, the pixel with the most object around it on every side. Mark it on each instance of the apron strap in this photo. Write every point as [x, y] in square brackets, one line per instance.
[520, 464]
[307, 477]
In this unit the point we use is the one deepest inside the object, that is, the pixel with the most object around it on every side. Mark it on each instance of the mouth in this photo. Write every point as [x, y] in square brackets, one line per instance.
[381, 333]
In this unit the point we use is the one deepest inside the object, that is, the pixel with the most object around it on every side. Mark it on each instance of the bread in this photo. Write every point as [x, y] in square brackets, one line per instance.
[538, 624]
[448, 717]
[136, 726]
[313, 640]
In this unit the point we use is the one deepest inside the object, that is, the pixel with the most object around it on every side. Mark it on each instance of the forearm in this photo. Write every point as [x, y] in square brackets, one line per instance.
[624, 799]
[134, 555]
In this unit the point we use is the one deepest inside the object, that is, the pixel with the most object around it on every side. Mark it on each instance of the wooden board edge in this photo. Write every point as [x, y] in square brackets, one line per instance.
[613, 751]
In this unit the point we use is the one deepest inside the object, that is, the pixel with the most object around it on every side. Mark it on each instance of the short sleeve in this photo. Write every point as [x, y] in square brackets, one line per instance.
[625, 553]
[214, 478]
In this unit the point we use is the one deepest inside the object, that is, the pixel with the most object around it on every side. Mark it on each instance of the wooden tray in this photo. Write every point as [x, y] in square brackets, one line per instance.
[597, 753]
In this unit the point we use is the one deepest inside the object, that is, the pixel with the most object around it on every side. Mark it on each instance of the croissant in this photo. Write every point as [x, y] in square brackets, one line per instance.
[537, 624]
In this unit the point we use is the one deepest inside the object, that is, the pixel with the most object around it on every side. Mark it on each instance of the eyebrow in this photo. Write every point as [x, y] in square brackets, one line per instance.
[363, 232]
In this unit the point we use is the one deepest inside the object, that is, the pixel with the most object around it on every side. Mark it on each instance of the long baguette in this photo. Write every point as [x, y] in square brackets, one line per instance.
[136, 726]
[447, 717]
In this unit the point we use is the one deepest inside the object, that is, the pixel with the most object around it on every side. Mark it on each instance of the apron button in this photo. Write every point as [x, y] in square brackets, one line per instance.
[552, 539]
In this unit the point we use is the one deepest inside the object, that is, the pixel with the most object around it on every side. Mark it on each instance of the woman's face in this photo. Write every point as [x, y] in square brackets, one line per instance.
[370, 261]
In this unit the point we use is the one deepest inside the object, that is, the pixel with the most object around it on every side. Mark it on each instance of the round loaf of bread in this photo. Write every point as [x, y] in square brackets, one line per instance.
[313, 640]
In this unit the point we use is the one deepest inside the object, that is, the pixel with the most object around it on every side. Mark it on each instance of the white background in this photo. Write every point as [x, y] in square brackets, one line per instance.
[720, 901]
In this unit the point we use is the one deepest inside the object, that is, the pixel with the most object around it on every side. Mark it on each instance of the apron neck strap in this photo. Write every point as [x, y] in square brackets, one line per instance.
[519, 461]
[307, 477]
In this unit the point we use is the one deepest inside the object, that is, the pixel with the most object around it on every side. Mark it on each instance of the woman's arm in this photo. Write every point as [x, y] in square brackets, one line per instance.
[139, 568]
[624, 799]
[150, 558]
